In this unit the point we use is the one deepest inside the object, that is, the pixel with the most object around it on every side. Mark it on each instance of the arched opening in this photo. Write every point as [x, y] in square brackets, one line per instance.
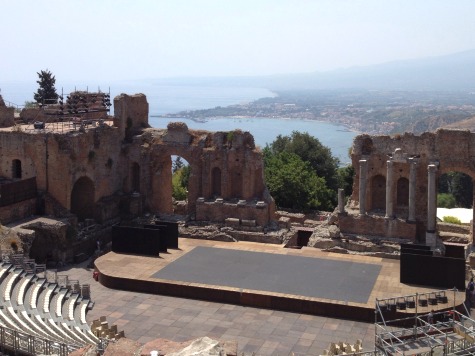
[181, 172]
[455, 190]
[82, 199]
[402, 198]
[378, 193]
[216, 182]
[135, 173]
[236, 184]
[16, 169]
[454, 205]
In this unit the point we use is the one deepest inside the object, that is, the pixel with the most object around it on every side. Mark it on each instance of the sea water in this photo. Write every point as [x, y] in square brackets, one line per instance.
[166, 98]
[266, 130]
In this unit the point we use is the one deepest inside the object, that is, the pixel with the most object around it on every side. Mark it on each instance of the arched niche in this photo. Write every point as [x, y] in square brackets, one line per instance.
[378, 192]
[82, 199]
[216, 181]
[402, 193]
[16, 169]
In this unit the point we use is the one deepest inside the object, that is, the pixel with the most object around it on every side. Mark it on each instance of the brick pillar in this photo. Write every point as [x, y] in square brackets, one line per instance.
[412, 189]
[389, 190]
[431, 205]
[362, 182]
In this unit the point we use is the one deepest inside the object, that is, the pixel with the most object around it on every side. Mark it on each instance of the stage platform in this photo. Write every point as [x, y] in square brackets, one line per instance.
[303, 280]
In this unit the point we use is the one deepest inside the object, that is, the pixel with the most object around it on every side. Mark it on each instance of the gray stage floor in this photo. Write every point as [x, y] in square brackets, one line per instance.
[304, 276]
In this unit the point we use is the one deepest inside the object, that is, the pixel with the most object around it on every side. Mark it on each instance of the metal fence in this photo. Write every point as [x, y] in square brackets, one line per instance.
[12, 340]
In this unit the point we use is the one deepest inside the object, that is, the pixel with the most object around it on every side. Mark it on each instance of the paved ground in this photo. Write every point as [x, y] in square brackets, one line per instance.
[145, 317]
[297, 275]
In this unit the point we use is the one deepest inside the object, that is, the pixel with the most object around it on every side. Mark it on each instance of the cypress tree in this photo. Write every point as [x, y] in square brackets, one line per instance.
[46, 92]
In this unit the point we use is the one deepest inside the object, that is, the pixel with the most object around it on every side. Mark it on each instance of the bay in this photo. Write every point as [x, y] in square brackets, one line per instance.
[168, 98]
[265, 130]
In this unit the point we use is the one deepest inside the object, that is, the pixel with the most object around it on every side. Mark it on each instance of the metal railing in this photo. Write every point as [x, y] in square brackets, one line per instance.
[13, 340]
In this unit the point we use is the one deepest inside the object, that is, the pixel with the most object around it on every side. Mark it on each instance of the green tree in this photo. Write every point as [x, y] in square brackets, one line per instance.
[319, 157]
[345, 179]
[293, 183]
[446, 200]
[310, 150]
[459, 186]
[180, 180]
[46, 92]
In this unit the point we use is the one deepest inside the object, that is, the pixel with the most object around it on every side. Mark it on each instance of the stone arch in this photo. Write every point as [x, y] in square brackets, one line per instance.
[378, 192]
[402, 192]
[216, 181]
[82, 198]
[16, 169]
[161, 178]
[135, 174]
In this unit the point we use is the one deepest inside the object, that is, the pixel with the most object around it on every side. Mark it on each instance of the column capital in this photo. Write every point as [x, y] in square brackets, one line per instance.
[432, 168]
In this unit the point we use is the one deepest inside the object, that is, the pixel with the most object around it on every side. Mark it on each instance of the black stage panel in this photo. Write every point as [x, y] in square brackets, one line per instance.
[163, 237]
[135, 240]
[171, 232]
[304, 276]
[432, 271]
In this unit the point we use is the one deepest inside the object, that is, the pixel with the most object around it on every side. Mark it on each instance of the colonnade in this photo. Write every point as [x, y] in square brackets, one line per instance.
[431, 193]
[390, 188]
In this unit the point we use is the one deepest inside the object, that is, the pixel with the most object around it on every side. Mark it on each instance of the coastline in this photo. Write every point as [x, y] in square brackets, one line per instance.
[347, 127]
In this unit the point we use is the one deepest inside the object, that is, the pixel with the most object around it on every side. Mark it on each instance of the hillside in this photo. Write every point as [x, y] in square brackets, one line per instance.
[453, 72]
[468, 124]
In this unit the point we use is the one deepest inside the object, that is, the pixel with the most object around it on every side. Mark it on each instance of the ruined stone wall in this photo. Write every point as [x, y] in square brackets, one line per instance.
[219, 211]
[377, 226]
[14, 146]
[28, 115]
[130, 113]
[129, 159]
[7, 114]
[17, 211]
[58, 160]
[449, 150]
[223, 165]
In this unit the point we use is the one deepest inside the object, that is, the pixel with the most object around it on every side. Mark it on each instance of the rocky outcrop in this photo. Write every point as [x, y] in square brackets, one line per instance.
[204, 346]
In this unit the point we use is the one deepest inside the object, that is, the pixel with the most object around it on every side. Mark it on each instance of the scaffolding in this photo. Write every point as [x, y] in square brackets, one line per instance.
[403, 326]
[73, 112]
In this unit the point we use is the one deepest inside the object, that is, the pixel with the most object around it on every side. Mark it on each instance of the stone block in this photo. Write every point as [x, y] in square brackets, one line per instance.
[232, 222]
[261, 205]
[246, 222]
[284, 222]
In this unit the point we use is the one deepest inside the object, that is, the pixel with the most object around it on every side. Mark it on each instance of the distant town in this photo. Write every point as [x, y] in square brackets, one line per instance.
[373, 112]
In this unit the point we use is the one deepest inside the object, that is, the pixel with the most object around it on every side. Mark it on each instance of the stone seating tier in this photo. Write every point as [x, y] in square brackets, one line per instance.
[33, 305]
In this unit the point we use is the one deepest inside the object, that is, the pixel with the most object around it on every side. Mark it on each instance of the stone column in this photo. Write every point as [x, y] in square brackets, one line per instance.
[431, 205]
[341, 200]
[362, 182]
[389, 189]
[412, 189]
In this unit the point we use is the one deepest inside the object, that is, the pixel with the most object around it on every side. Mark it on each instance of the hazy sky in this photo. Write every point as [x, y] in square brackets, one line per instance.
[139, 39]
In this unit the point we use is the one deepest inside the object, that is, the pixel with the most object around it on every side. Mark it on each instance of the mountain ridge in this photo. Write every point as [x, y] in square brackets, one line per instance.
[452, 72]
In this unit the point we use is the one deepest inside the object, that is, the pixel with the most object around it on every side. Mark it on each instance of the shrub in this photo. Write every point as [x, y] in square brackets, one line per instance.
[452, 220]
[445, 200]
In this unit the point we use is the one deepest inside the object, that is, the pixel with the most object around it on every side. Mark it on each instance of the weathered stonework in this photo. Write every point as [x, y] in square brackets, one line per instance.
[7, 114]
[396, 173]
[123, 167]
